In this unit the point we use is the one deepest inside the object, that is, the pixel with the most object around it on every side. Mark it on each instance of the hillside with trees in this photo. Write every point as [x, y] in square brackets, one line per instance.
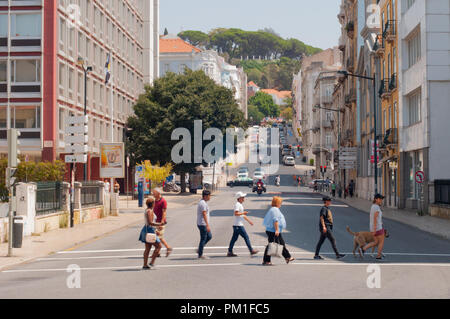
[268, 59]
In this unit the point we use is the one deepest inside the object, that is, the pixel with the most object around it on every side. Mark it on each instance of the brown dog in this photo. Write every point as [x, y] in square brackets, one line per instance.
[361, 239]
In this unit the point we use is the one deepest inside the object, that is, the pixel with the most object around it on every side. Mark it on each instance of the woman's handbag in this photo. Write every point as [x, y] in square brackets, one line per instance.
[274, 249]
[150, 238]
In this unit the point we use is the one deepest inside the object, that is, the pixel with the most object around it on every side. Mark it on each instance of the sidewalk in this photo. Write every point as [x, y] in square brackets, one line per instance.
[434, 225]
[61, 239]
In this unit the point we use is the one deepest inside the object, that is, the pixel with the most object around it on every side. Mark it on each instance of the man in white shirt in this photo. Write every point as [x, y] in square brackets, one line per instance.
[238, 226]
[203, 223]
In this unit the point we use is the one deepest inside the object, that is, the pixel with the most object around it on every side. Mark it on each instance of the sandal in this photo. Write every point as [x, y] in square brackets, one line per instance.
[267, 264]
[169, 251]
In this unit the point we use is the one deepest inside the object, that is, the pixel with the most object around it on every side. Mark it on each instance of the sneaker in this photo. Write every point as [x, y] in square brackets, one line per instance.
[254, 252]
[231, 255]
[203, 257]
[288, 260]
[340, 256]
[380, 258]
[146, 267]
[318, 257]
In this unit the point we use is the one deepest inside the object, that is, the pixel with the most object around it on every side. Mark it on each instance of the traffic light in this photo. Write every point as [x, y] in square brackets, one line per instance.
[324, 169]
[321, 169]
[13, 150]
[298, 148]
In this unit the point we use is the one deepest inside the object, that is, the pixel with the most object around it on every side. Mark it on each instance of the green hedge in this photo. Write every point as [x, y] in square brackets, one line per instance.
[31, 172]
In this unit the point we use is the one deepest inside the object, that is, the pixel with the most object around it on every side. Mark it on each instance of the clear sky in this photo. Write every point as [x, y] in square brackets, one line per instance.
[311, 21]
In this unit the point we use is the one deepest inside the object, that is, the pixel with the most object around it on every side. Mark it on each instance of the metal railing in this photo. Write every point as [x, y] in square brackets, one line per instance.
[442, 191]
[91, 194]
[48, 198]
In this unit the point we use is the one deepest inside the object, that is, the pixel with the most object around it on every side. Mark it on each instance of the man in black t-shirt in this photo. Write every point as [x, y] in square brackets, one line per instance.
[325, 228]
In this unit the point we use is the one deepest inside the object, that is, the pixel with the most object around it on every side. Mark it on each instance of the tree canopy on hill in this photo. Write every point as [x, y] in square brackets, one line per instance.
[237, 43]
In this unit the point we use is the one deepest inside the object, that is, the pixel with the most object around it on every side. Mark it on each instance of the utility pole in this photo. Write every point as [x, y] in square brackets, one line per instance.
[13, 161]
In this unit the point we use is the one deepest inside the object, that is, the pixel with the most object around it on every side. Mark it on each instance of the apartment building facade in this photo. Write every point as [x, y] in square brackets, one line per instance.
[307, 94]
[424, 76]
[48, 41]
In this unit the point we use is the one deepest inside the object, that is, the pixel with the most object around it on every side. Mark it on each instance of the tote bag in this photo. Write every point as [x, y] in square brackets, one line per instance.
[275, 249]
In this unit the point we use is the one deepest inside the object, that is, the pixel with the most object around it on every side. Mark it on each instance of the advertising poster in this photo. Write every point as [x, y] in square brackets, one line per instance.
[112, 163]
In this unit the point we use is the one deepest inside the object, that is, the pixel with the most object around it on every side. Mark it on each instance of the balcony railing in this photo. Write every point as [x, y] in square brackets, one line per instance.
[390, 137]
[389, 31]
[379, 46]
[387, 86]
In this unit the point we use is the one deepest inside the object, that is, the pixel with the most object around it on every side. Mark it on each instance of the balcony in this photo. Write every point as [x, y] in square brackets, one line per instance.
[342, 43]
[384, 92]
[390, 31]
[379, 46]
[350, 97]
[350, 28]
[347, 135]
[390, 137]
[351, 64]
[387, 86]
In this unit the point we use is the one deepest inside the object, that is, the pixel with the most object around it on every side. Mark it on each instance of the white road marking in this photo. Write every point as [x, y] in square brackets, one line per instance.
[230, 264]
[307, 204]
[224, 254]
[142, 249]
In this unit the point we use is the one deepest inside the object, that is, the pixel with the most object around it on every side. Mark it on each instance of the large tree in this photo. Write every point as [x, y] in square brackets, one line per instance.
[265, 104]
[176, 101]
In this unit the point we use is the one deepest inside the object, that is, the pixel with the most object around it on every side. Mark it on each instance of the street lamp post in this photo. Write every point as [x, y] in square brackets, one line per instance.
[86, 70]
[375, 157]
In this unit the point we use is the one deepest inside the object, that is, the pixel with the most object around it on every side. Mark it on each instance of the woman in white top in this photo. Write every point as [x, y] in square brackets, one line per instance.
[238, 226]
[376, 226]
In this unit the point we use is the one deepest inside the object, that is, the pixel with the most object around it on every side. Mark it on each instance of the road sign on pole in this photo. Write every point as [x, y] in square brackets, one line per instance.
[420, 177]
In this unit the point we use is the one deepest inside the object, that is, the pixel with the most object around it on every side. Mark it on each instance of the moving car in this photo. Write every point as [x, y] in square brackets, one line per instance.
[242, 174]
[319, 181]
[289, 161]
[258, 175]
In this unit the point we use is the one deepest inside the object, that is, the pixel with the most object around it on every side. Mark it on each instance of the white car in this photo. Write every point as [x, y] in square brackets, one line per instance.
[289, 161]
[258, 175]
[242, 175]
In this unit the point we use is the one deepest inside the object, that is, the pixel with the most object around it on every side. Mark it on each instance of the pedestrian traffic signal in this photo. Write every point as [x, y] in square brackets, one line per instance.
[13, 150]
[324, 169]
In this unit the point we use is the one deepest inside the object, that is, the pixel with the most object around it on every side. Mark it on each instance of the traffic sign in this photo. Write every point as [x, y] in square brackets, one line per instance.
[76, 149]
[76, 158]
[420, 177]
[82, 129]
[77, 120]
[76, 139]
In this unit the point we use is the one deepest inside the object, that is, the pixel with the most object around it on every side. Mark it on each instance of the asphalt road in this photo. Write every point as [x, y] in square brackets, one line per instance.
[417, 264]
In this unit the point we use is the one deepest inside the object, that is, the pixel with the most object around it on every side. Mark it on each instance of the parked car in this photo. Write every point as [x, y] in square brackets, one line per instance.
[289, 161]
[248, 182]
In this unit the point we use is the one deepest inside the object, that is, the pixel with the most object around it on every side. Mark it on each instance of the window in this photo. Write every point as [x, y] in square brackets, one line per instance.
[26, 71]
[26, 117]
[414, 49]
[3, 71]
[409, 3]
[328, 140]
[413, 163]
[26, 25]
[3, 25]
[395, 125]
[414, 103]
[385, 120]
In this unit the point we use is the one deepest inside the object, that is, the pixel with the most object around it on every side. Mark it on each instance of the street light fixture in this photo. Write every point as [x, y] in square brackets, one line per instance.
[86, 70]
[345, 73]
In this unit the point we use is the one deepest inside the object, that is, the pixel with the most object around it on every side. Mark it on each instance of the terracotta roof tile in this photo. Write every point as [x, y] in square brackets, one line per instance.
[176, 46]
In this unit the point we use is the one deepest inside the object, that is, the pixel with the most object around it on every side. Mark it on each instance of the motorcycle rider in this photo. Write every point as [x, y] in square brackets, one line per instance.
[260, 185]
